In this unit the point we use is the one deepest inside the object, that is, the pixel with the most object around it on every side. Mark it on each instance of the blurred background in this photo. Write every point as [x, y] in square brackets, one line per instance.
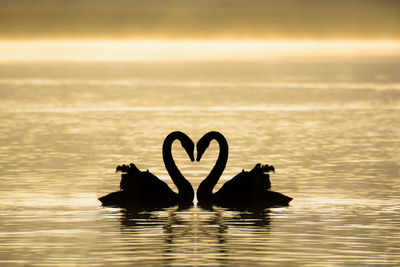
[208, 19]
[192, 30]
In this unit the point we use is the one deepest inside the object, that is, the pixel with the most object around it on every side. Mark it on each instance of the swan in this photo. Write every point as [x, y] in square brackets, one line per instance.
[144, 189]
[246, 189]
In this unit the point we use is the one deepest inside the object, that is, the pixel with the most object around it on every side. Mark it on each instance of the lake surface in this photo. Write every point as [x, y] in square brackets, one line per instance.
[330, 127]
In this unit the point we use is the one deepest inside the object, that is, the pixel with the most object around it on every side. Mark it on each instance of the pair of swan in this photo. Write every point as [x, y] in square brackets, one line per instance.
[246, 189]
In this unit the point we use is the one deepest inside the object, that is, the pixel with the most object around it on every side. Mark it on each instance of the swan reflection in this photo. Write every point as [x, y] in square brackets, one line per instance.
[211, 233]
[195, 223]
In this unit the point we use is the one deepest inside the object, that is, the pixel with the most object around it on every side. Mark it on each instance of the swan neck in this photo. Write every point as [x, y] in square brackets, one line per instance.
[204, 192]
[185, 189]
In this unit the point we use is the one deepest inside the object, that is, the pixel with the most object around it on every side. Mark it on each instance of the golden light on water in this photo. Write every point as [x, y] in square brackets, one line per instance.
[159, 50]
[311, 87]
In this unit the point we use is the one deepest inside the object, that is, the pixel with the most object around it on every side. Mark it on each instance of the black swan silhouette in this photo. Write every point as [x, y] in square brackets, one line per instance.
[246, 189]
[142, 189]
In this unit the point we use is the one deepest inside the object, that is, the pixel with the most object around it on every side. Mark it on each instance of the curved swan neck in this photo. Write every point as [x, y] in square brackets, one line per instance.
[185, 189]
[204, 192]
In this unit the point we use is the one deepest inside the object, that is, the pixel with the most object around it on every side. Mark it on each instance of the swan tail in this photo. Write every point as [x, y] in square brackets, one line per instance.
[277, 199]
[113, 199]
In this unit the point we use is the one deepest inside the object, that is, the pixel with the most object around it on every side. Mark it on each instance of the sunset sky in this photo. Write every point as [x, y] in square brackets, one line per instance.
[108, 23]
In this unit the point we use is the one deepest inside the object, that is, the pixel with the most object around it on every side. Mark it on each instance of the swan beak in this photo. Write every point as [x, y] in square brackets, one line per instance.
[192, 157]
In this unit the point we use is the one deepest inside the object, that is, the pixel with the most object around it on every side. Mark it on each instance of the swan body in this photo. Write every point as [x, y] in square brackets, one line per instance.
[246, 189]
[140, 189]
[144, 189]
[250, 189]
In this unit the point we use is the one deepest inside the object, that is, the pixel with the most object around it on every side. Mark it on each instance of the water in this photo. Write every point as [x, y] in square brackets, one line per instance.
[330, 127]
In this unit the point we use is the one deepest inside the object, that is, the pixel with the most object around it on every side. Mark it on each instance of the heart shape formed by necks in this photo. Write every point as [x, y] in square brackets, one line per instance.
[185, 189]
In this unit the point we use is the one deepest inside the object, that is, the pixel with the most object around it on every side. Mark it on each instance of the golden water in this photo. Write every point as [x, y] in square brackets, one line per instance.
[331, 129]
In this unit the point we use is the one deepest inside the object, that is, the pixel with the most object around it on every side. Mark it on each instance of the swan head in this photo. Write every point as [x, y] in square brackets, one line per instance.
[205, 141]
[201, 146]
[188, 145]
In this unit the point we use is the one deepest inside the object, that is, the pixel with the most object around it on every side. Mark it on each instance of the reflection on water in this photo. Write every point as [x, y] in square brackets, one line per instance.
[330, 129]
[207, 230]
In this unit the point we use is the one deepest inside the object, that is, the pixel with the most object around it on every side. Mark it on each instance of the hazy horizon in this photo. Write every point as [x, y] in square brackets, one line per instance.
[195, 50]
[209, 20]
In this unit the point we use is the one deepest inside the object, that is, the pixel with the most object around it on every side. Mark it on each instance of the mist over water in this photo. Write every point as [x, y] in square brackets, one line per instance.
[207, 19]
[330, 128]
